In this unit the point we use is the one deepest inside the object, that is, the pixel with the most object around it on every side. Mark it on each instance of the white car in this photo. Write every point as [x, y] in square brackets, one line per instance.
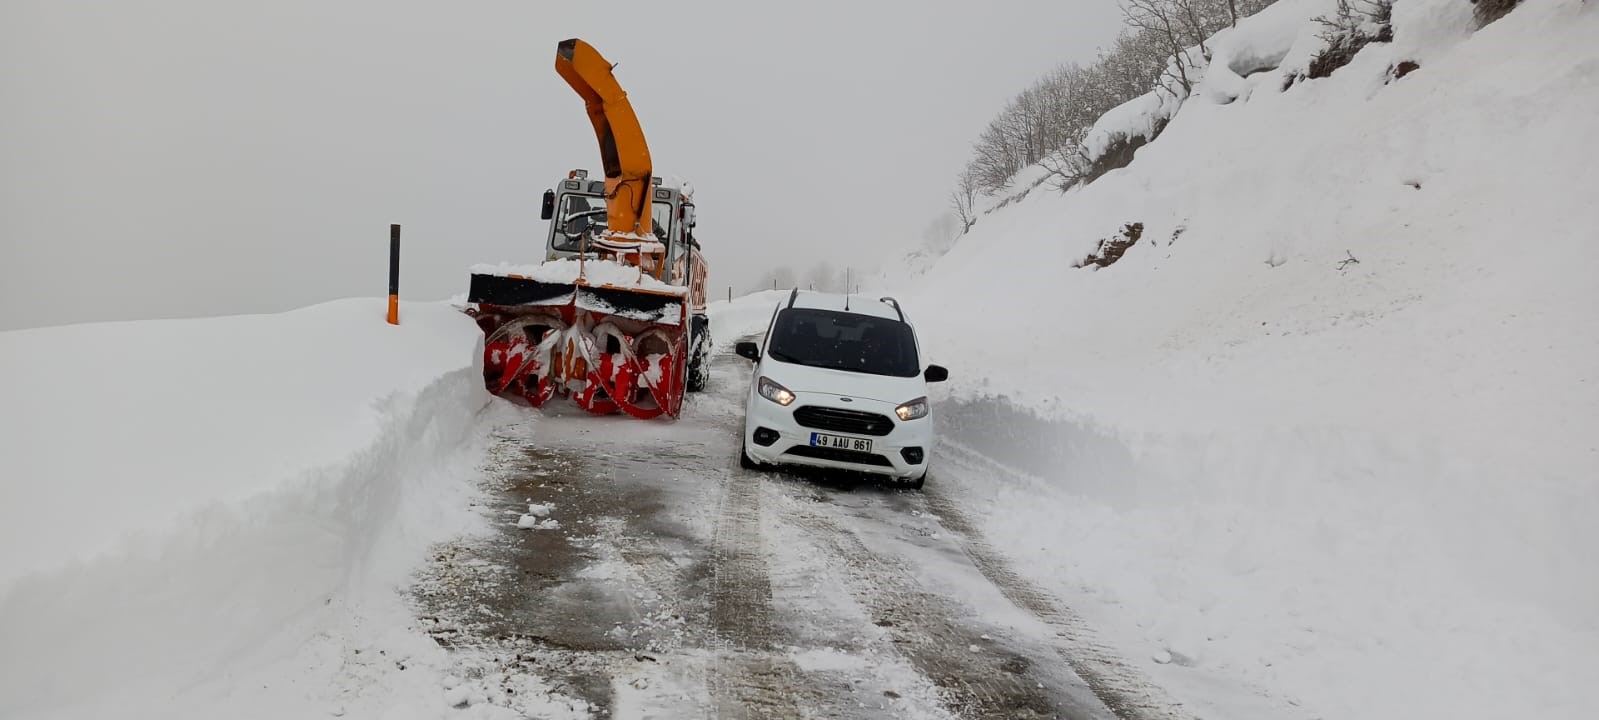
[839, 384]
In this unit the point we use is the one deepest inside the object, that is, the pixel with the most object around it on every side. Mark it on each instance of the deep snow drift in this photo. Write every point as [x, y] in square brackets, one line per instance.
[210, 517]
[742, 318]
[1366, 489]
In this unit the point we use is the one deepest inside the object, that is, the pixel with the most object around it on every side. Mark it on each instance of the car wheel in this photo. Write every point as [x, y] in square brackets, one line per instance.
[915, 483]
[745, 461]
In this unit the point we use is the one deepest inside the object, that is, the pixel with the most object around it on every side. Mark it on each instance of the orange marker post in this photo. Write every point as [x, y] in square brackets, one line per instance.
[394, 274]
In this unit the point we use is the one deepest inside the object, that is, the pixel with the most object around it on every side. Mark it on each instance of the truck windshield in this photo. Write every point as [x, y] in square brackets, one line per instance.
[581, 215]
[844, 341]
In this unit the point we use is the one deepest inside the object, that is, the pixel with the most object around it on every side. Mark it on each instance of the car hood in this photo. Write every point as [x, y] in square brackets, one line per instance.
[807, 379]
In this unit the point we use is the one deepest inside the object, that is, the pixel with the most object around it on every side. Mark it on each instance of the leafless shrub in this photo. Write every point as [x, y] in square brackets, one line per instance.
[1356, 24]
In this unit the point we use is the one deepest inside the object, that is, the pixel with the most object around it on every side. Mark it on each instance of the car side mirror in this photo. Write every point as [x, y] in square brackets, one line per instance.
[749, 350]
[935, 373]
[548, 211]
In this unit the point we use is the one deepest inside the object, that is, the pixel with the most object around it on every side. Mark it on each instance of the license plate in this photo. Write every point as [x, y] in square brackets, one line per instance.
[840, 442]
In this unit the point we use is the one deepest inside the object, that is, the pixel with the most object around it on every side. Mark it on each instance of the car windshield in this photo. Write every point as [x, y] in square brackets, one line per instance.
[844, 341]
[581, 215]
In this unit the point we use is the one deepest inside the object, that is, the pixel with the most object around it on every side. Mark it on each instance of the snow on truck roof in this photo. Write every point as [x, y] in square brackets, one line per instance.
[858, 304]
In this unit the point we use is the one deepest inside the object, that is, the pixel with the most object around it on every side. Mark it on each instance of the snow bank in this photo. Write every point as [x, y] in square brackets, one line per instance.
[189, 504]
[1136, 118]
[1365, 489]
[743, 317]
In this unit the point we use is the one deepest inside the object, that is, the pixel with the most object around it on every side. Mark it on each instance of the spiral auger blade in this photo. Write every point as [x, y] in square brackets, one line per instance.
[609, 349]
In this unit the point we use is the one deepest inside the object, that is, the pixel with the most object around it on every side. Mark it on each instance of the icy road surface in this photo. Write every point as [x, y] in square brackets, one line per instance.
[638, 572]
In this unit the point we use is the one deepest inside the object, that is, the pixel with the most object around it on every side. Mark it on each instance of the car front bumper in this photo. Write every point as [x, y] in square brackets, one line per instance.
[792, 444]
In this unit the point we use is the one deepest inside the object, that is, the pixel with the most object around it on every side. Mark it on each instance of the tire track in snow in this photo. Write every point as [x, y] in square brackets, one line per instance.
[742, 609]
[750, 680]
[982, 683]
[1117, 684]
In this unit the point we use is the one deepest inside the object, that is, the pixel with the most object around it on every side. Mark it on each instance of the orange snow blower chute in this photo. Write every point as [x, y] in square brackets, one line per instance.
[615, 317]
[623, 152]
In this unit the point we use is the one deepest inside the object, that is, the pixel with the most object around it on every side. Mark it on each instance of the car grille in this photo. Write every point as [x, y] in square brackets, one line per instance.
[839, 455]
[841, 420]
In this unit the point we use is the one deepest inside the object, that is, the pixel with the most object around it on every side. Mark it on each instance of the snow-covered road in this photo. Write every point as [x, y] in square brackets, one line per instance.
[659, 579]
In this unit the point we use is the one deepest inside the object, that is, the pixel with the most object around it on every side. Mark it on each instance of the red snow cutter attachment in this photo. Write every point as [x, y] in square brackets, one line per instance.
[609, 348]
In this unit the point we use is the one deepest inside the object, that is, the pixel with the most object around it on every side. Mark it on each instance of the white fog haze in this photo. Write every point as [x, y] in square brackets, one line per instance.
[180, 158]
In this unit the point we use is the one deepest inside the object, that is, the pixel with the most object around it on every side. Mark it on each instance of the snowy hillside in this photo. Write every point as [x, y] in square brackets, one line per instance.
[225, 506]
[1330, 427]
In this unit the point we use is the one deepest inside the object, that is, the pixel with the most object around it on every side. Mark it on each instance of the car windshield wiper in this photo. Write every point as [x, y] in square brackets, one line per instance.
[779, 355]
[807, 362]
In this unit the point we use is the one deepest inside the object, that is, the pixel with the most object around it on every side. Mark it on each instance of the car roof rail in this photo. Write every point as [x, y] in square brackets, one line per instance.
[792, 297]
[893, 304]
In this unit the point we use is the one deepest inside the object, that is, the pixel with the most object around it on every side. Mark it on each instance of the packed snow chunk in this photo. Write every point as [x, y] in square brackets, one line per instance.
[540, 509]
[593, 272]
[531, 522]
[829, 659]
[185, 500]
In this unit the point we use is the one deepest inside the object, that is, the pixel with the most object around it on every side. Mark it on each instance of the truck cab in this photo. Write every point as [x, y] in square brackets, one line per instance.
[576, 210]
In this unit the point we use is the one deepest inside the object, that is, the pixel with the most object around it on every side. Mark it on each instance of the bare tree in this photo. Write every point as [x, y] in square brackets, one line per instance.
[993, 158]
[1161, 45]
[1066, 166]
[963, 200]
[1158, 18]
[1188, 18]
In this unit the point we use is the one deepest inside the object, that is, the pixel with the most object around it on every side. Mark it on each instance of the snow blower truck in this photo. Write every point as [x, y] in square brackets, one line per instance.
[614, 317]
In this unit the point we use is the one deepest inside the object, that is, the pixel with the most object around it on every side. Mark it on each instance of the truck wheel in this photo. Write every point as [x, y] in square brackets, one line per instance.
[699, 370]
[698, 374]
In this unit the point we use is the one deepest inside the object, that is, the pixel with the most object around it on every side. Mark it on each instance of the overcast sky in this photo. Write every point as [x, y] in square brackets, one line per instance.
[168, 158]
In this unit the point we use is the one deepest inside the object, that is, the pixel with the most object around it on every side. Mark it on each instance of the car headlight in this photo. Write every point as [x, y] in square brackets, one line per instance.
[914, 409]
[774, 392]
